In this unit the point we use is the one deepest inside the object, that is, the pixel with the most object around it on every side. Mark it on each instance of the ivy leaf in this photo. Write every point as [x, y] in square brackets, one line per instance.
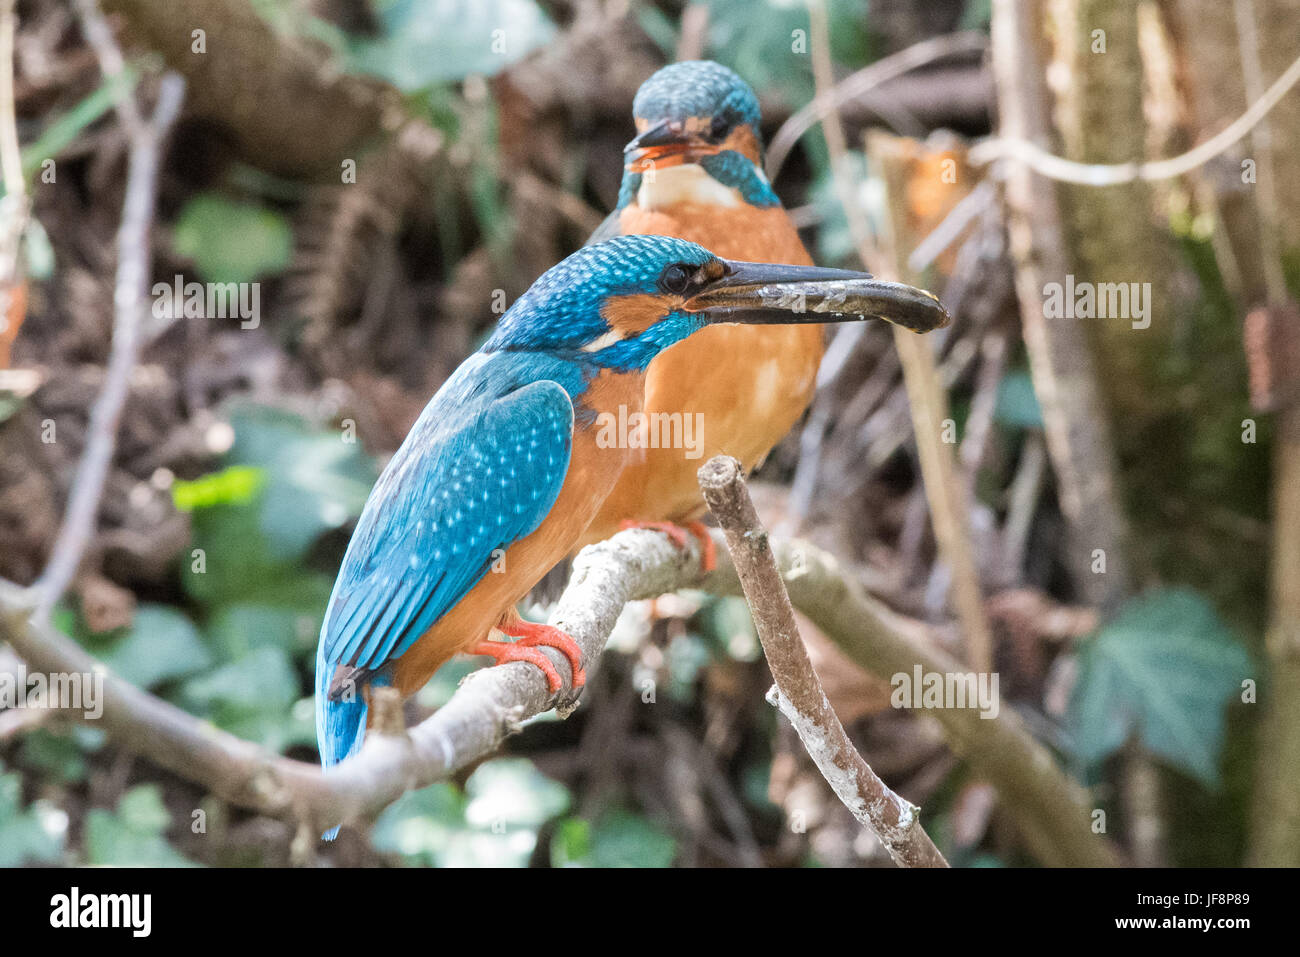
[314, 480]
[160, 644]
[1164, 669]
[252, 698]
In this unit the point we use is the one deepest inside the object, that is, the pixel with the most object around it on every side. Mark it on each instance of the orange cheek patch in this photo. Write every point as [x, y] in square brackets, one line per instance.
[743, 141]
[634, 314]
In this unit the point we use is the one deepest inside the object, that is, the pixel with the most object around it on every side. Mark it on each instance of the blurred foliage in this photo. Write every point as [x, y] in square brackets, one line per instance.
[766, 42]
[617, 838]
[232, 241]
[1164, 670]
[416, 49]
[1017, 405]
[160, 645]
[133, 835]
[494, 822]
[31, 835]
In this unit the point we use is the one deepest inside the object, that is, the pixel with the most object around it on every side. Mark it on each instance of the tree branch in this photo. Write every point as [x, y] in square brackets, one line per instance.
[1051, 811]
[798, 693]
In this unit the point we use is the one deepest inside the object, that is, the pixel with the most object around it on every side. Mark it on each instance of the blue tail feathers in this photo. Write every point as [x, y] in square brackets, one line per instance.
[340, 725]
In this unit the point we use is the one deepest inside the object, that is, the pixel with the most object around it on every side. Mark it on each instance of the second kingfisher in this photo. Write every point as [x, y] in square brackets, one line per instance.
[695, 171]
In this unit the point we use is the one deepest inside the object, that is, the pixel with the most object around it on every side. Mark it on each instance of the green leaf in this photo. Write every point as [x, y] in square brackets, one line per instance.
[757, 39]
[493, 824]
[315, 481]
[255, 697]
[54, 756]
[231, 241]
[160, 644]
[236, 485]
[59, 134]
[240, 629]
[1164, 669]
[618, 839]
[686, 656]
[33, 835]
[427, 42]
[260, 679]
[512, 791]
[132, 837]
[419, 825]
[1017, 404]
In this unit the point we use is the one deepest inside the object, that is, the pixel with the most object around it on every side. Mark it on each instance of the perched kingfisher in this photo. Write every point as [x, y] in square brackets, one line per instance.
[506, 467]
[695, 170]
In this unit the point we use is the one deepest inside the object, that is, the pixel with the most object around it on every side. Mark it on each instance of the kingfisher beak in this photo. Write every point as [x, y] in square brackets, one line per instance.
[668, 143]
[770, 294]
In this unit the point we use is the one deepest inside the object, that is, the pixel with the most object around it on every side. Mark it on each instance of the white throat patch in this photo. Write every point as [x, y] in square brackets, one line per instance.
[688, 182]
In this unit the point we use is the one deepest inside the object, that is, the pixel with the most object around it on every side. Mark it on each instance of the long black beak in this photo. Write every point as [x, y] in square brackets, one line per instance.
[768, 294]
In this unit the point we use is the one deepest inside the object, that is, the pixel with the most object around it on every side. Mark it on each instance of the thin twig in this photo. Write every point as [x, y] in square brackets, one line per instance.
[130, 308]
[99, 36]
[1113, 174]
[836, 95]
[10, 157]
[797, 692]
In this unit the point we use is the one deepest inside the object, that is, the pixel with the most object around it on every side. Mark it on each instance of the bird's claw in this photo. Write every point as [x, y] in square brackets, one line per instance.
[531, 638]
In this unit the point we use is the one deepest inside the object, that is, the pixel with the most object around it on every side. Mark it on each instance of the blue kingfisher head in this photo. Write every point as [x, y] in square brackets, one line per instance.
[617, 304]
[703, 116]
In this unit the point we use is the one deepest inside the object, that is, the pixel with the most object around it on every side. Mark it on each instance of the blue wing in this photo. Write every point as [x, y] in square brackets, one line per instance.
[477, 473]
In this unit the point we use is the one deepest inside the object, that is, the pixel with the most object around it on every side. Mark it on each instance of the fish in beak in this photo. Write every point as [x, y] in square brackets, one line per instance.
[766, 294]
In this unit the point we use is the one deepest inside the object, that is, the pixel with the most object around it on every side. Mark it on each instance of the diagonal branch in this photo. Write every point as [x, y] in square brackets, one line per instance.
[798, 693]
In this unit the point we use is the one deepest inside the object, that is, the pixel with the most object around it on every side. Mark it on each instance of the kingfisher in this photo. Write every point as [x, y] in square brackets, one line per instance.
[508, 463]
[695, 171]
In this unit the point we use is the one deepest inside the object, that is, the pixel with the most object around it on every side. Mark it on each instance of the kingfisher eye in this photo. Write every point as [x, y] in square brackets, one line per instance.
[676, 277]
[719, 128]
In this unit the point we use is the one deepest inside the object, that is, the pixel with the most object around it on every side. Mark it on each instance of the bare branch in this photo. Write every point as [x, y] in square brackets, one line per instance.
[1051, 811]
[1113, 174]
[829, 101]
[490, 705]
[798, 693]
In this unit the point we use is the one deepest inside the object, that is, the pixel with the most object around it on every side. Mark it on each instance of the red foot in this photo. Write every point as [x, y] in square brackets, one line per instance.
[708, 550]
[530, 636]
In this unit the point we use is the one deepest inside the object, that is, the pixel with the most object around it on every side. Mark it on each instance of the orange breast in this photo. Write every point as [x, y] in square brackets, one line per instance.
[744, 387]
[594, 466]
